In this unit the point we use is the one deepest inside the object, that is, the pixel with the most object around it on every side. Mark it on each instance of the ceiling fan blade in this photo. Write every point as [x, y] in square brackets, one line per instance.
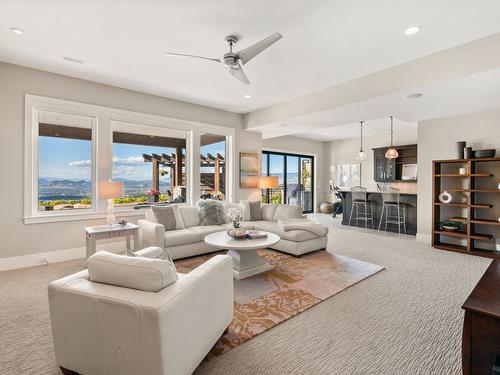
[195, 56]
[249, 53]
[240, 74]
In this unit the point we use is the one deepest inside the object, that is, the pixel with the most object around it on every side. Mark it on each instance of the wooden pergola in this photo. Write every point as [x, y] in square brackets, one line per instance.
[176, 161]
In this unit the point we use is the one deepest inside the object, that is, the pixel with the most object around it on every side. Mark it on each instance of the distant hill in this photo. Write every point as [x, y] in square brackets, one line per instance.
[54, 188]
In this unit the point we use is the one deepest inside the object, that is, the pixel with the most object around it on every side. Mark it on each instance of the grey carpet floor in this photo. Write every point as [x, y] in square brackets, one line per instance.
[404, 320]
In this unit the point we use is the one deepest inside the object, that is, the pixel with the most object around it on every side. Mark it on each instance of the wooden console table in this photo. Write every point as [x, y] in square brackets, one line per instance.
[481, 333]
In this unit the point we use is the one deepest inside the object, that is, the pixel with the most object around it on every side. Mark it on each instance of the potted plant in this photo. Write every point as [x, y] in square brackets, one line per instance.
[153, 195]
[235, 217]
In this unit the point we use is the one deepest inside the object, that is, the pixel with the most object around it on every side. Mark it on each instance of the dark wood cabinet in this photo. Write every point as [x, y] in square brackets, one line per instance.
[389, 170]
[481, 332]
[384, 169]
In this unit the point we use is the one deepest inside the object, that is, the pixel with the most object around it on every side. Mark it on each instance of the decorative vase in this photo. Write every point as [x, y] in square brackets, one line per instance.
[460, 149]
[153, 198]
[445, 197]
[325, 208]
[238, 233]
[467, 152]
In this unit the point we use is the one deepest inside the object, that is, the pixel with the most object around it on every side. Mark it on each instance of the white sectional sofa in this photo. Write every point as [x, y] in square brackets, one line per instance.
[188, 237]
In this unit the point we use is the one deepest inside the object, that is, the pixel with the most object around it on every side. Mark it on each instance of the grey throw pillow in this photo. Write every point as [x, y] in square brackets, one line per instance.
[212, 212]
[255, 212]
[165, 215]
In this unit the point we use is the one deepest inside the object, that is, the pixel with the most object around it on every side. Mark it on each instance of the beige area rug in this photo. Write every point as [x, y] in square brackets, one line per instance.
[291, 287]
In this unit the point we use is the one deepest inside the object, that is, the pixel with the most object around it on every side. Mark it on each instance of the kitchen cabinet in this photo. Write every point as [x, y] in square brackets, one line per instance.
[390, 170]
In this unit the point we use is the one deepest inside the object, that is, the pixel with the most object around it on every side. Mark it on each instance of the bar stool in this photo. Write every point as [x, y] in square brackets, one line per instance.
[390, 203]
[360, 201]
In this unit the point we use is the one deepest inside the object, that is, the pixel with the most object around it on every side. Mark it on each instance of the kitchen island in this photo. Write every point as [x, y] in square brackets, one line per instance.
[408, 199]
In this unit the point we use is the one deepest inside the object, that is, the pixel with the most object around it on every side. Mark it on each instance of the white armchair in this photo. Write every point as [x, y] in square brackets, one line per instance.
[105, 329]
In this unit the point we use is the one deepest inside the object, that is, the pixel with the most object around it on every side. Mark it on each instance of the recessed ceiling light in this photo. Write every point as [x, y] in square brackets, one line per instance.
[73, 60]
[327, 133]
[414, 95]
[17, 31]
[247, 96]
[412, 30]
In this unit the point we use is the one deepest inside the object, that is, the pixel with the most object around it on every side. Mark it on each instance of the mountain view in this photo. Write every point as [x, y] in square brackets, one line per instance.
[75, 189]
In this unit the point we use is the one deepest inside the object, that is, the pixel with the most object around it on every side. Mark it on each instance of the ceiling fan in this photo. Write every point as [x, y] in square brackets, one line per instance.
[233, 60]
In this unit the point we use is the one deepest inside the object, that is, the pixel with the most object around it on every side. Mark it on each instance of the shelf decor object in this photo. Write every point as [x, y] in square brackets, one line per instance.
[460, 149]
[391, 152]
[467, 152]
[361, 154]
[445, 197]
[474, 229]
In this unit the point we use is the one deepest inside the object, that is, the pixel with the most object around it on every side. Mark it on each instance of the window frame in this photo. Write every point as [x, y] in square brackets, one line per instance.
[277, 152]
[102, 154]
[132, 128]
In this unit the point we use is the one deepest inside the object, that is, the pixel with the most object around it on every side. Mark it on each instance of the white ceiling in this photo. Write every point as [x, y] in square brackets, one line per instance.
[324, 43]
[472, 93]
[372, 127]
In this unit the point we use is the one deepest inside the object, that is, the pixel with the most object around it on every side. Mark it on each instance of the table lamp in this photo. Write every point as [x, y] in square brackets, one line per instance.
[110, 190]
[268, 182]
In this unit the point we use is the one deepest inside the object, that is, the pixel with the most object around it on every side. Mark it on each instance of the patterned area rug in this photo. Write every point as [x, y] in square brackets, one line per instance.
[292, 286]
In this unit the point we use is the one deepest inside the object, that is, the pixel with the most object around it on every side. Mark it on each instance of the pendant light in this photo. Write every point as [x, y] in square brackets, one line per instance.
[361, 154]
[391, 152]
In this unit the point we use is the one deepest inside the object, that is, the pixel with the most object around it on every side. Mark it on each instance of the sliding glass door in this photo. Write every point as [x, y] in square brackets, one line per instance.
[295, 179]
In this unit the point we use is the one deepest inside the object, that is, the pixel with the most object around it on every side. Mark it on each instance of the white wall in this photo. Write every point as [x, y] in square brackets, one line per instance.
[345, 151]
[18, 238]
[437, 140]
[308, 147]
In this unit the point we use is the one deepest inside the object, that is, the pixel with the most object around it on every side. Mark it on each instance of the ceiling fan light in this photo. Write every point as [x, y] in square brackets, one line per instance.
[391, 153]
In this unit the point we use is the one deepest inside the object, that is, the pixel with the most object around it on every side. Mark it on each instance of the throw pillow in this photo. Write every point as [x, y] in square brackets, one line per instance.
[212, 212]
[285, 211]
[251, 210]
[268, 211]
[255, 212]
[150, 275]
[165, 216]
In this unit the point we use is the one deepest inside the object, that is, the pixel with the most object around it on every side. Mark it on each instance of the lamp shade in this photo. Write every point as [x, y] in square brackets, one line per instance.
[391, 153]
[110, 189]
[268, 182]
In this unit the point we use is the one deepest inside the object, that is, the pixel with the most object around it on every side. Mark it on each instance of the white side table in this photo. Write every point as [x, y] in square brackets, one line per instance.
[101, 232]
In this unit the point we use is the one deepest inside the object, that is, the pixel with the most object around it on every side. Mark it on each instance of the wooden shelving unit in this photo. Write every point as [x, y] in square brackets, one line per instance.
[444, 173]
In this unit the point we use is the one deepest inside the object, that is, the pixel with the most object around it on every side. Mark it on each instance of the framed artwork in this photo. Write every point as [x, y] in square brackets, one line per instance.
[348, 175]
[249, 170]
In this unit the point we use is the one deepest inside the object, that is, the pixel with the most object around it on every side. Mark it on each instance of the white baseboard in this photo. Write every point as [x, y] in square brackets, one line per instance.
[40, 259]
[424, 237]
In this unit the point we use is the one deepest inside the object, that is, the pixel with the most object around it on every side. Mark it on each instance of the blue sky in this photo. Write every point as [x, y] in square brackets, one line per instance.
[276, 165]
[70, 158]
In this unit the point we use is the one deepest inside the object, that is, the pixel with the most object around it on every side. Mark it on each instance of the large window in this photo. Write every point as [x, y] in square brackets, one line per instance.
[71, 147]
[65, 162]
[212, 166]
[295, 179]
[151, 163]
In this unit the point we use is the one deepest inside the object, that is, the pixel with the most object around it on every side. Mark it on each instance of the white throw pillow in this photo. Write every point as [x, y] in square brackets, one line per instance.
[268, 211]
[245, 210]
[285, 211]
[190, 216]
[150, 275]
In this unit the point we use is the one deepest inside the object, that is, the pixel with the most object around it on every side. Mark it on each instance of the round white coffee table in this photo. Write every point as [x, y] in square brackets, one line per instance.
[246, 261]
